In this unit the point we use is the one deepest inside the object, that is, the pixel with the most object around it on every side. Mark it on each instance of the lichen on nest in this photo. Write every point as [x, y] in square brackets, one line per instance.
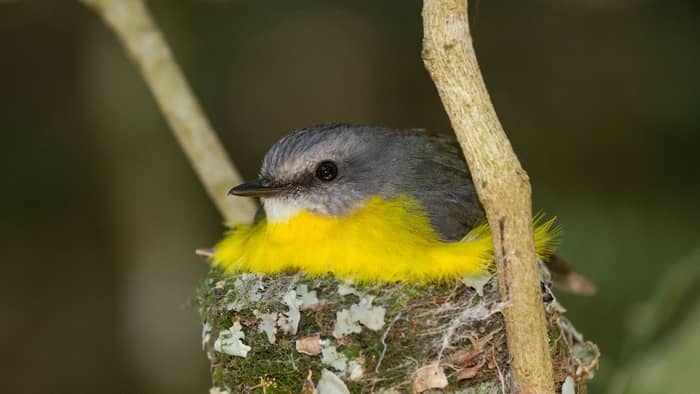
[289, 333]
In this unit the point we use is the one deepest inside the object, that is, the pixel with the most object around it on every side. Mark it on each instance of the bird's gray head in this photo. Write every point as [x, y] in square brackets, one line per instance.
[328, 170]
[334, 169]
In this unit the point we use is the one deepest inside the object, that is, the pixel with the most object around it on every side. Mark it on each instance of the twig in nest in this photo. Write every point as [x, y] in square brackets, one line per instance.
[501, 378]
[386, 333]
[470, 372]
[460, 359]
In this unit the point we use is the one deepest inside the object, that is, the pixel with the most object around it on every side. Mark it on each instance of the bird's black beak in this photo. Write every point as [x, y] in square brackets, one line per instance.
[255, 189]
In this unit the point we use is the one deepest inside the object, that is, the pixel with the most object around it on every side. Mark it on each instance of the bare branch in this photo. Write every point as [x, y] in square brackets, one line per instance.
[502, 185]
[134, 26]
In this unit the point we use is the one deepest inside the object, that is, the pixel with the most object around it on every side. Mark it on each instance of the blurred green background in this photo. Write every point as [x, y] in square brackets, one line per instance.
[101, 212]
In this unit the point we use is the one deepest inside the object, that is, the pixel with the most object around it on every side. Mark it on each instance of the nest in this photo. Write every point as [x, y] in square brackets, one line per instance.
[289, 333]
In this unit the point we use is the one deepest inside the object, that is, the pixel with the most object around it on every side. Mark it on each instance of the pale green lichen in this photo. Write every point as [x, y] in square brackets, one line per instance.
[348, 320]
[230, 341]
[267, 324]
[289, 322]
[356, 370]
[308, 299]
[331, 357]
[345, 289]
[296, 301]
[568, 387]
[477, 282]
[369, 316]
[248, 285]
[585, 356]
[345, 324]
[484, 388]
[331, 384]
[206, 334]
[218, 390]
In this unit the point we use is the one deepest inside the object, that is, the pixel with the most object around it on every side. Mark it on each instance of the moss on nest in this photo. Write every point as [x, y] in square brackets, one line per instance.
[373, 337]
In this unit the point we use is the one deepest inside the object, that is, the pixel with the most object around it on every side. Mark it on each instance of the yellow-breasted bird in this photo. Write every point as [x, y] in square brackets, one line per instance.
[365, 202]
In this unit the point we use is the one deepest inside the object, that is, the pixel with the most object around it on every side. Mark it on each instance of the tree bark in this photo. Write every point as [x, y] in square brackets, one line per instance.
[134, 26]
[501, 183]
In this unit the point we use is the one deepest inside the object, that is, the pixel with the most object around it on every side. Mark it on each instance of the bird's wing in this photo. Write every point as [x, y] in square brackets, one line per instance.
[445, 188]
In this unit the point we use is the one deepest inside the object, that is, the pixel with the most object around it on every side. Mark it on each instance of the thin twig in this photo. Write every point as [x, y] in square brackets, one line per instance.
[144, 42]
[386, 333]
[501, 183]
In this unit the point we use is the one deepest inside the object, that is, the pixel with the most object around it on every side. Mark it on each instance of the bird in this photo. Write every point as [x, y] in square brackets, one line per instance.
[367, 203]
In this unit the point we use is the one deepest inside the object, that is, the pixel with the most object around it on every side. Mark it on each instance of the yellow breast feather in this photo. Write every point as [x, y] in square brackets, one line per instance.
[386, 240]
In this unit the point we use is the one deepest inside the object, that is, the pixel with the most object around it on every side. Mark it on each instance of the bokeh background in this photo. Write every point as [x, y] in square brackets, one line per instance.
[100, 212]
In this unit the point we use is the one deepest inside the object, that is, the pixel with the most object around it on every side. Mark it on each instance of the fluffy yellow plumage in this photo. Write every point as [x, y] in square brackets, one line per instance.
[386, 240]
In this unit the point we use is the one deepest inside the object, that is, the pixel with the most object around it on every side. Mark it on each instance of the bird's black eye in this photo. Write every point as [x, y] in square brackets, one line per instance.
[326, 171]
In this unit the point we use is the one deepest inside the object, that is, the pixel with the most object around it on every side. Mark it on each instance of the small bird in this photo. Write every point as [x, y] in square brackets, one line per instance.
[368, 203]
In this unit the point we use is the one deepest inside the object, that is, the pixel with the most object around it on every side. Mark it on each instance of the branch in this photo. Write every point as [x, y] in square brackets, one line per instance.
[134, 26]
[501, 183]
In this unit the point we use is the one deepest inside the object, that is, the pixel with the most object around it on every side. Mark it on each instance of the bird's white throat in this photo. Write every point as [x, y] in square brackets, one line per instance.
[279, 210]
